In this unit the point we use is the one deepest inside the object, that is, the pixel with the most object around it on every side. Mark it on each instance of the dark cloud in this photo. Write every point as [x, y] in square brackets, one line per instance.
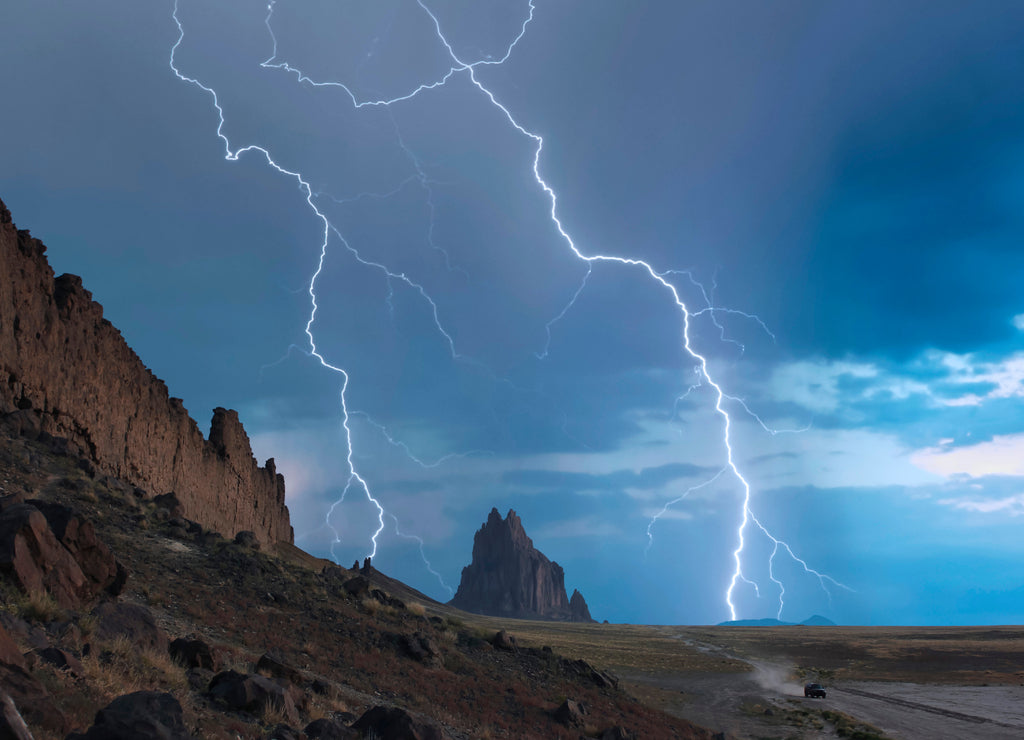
[619, 480]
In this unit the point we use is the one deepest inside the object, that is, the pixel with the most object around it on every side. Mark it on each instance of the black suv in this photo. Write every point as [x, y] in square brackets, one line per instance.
[814, 690]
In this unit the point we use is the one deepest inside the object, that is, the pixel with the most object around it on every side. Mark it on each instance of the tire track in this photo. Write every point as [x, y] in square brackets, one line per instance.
[926, 708]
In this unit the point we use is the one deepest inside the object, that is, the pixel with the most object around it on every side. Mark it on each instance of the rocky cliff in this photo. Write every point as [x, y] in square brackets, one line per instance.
[509, 577]
[67, 375]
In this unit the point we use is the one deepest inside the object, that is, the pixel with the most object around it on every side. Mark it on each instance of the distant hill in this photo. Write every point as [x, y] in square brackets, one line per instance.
[815, 621]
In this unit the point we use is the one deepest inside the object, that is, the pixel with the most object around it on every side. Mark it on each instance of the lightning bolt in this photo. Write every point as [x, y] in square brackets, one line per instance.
[423, 554]
[232, 155]
[660, 279]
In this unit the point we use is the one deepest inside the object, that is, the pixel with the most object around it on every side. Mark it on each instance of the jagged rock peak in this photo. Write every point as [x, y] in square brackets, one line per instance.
[579, 612]
[509, 577]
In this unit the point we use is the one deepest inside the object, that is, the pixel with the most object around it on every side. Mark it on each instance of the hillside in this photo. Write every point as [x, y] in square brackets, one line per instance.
[125, 611]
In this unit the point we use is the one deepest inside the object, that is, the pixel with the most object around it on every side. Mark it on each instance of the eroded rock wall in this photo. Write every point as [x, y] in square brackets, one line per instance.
[67, 372]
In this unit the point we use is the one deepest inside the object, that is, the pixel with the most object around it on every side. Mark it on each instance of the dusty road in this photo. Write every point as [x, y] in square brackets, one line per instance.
[767, 703]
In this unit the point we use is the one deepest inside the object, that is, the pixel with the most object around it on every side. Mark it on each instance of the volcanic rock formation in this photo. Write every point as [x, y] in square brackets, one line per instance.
[509, 577]
[68, 377]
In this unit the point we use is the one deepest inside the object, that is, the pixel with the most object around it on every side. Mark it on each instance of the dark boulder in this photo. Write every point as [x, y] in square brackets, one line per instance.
[284, 732]
[570, 713]
[253, 693]
[61, 660]
[143, 714]
[584, 670]
[422, 648]
[132, 621]
[502, 640]
[392, 723]
[330, 729]
[193, 654]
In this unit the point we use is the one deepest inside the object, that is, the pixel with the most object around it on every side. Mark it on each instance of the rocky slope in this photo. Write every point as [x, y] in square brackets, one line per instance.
[509, 577]
[120, 621]
[68, 377]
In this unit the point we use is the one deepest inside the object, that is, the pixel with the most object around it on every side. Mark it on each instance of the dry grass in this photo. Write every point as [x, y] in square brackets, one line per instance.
[39, 606]
[417, 610]
[370, 606]
[119, 667]
[321, 707]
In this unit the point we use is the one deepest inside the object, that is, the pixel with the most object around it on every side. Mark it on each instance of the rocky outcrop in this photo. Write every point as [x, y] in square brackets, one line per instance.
[67, 375]
[509, 577]
[578, 609]
[35, 561]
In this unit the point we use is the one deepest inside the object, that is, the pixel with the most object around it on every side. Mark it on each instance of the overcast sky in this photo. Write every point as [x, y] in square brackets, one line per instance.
[832, 190]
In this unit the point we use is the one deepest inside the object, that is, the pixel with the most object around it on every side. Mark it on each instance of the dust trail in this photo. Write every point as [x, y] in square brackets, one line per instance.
[776, 678]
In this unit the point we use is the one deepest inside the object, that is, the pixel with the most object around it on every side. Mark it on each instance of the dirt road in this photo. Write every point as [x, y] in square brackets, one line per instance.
[767, 703]
[911, 711]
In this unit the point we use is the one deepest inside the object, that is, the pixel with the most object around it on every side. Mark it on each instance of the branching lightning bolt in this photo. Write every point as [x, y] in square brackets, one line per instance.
[661, 278]
[423, 554]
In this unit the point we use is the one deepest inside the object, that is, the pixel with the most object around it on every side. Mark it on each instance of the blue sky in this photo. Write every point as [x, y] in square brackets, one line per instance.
[833, 191]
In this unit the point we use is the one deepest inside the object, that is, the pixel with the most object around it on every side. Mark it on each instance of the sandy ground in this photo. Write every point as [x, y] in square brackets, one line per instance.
[766, 703]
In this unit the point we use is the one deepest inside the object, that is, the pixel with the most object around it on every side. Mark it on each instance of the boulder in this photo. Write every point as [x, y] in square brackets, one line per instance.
[143, 714]
[502, 640]
[584, 670]
[329, 729]
[422, 648]
[252, 693]
[284, 732]
[133, 621]
[570, 713]
[78, 536]
[60, 659]
[199, 678]
[193, 654]
[392, 723]
[37, 562]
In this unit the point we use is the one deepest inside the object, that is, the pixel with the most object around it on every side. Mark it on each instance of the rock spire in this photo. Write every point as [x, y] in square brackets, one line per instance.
[509, 577]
